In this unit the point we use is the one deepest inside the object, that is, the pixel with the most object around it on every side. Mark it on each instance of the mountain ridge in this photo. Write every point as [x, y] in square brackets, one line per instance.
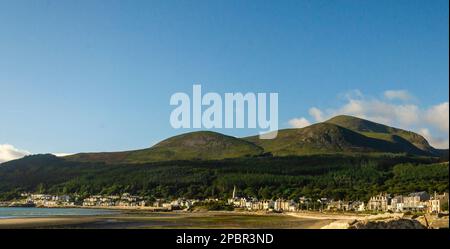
[185, 146]
[376, 130]
[340, 134]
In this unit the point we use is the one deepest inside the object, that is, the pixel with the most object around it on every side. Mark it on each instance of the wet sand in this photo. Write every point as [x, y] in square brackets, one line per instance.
[327, 216]
[170, 220]
[43, 222]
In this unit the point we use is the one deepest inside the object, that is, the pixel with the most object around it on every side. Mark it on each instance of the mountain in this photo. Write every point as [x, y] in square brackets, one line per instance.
[327, 138]
[342, 157]
[341, 134]
[204, 145]
[346, 134]
[383, 132]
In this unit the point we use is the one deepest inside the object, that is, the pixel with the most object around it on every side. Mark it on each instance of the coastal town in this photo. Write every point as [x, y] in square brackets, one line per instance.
[419, 202]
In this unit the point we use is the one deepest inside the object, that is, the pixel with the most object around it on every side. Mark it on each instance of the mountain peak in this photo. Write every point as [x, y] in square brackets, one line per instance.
[206, 145]
[340, 134]
[380, 131]
[358, 124]
[196, 138]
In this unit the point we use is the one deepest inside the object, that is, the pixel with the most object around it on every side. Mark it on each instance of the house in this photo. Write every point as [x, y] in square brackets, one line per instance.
[167, 206]
[49, 200]
[268, 204]
[284, 205]
[335, 205]
[438, 203]
[292, 206]
[379, 202]
[417, 201]
[361, 207]
[257, 205]
[397, 204]
[247, 204]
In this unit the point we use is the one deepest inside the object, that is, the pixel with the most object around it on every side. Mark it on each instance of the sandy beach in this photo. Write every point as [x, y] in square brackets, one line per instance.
[43, 222]
[167, 220]
[145, 219]
[326, 216]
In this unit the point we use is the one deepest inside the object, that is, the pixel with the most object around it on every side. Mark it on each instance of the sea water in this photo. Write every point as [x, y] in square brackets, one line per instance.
[23, 212]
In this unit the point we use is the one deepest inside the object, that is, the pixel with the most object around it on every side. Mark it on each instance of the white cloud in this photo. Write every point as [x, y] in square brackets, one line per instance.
[299, 122]
[316, 113]
[62, 154]
[352, 94]
[9, 152]
[438, 116]
[397, 94]
[405, 115]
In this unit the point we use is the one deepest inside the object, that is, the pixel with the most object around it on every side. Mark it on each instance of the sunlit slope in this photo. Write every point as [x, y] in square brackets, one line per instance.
[203, 145]
[384, 132]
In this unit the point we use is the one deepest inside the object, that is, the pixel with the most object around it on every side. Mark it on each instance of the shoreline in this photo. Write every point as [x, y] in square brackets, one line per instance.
[322, 216]
[43, 222]
[150, 219]
[163, 220]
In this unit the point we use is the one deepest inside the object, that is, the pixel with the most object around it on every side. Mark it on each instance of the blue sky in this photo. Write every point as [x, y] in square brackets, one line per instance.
[98, 75]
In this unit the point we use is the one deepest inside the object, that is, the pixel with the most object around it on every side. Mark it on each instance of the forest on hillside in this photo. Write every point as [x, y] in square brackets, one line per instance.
[353, 177]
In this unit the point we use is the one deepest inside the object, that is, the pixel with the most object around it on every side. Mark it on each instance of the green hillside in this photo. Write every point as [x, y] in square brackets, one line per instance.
[204, 145]
[379, 131]
[355, 177]
[341, 134]
[328, 138]
[344, 157]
